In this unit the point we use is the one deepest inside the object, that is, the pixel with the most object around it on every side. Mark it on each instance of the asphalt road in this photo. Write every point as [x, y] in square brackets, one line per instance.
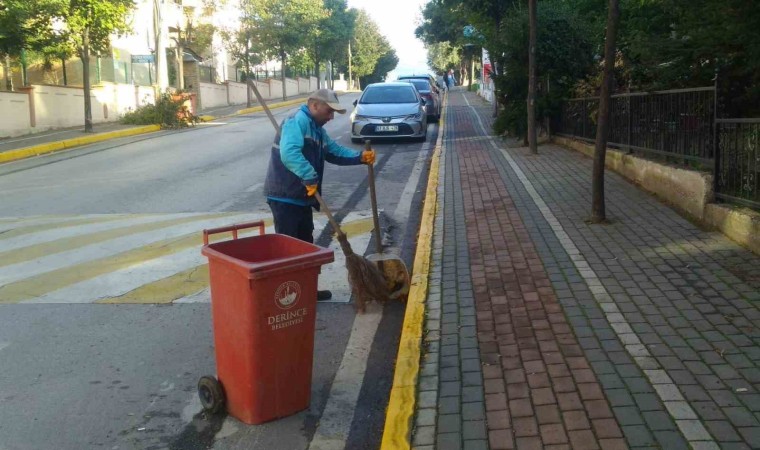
[123, 376]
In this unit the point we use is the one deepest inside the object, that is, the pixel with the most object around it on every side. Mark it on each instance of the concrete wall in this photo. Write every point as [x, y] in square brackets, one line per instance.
[213, 94]
[291, 87]
[303, 85]
[313, 84]
[688, 191]
[742, 225]
[236, 93]
[14, 113]
[275, 89]
[59, 107]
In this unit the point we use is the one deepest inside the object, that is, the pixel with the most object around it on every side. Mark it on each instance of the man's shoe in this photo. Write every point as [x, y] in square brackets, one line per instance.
[323, 295]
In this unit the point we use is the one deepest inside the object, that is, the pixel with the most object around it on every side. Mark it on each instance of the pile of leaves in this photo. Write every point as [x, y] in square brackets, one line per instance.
[165, 112]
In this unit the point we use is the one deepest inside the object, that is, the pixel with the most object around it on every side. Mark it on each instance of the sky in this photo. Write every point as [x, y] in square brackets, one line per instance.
[397, 20]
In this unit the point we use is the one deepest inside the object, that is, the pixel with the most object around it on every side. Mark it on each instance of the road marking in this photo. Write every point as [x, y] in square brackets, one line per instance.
[11, 225]
[4, 345]
[158, 266]
[61, 257]
[31, 244]
[335, 422]
[404, 205]
[682, 413]
[65, 269]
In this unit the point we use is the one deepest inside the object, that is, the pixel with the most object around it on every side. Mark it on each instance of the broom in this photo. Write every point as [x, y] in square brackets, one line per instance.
[366, 281]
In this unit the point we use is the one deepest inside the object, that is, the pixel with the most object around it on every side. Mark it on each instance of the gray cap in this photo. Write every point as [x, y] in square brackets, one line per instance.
[329, 97]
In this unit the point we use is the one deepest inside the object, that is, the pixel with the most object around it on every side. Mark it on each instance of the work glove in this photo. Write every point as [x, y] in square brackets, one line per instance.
[368, 157]
[311, 189]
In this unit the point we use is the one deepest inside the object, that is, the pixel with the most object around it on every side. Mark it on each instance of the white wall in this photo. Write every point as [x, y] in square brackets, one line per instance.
[237, 94]
[312, 84]
[58, 107]
[14, 114]
[275, 89]
[291, 87]
[213, 95]
[303, 85]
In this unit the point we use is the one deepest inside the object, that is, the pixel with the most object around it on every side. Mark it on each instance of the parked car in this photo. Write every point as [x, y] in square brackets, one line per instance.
[432, 97]
[389, 110]
[436, 82]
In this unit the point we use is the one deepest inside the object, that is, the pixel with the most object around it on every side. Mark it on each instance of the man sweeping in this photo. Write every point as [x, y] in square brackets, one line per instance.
[297, 165]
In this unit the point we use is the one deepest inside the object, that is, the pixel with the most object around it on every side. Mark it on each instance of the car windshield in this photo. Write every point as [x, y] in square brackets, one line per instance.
[389, 94]
[421, 85]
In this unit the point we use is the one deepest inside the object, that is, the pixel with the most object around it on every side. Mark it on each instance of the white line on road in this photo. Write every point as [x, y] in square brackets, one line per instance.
[335, 422]
[4, 345]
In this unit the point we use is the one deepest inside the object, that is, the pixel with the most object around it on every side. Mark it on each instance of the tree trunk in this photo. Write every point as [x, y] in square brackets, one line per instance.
[349, 65]
[86, 80]
[532, 78]
[247, 70]
[316, 71]
[8, 77]
[603, 119]
[494, 71]
[283, 57]
[63, 66]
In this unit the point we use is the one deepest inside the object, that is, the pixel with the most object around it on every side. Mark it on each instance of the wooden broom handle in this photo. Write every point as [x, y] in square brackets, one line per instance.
[263, 104]
[330, 217]
[373, 199]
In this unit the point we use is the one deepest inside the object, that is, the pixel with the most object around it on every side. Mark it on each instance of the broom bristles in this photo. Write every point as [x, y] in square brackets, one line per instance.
[366, 281]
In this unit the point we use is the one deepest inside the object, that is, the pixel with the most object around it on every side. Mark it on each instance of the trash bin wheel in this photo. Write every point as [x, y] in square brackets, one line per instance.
[211, 394]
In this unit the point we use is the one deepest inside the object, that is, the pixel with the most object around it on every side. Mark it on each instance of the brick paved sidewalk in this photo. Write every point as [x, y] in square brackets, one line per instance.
[546, 332]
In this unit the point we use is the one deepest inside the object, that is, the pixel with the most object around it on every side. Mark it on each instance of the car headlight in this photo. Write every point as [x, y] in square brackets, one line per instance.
[355, 117]
[417, 116]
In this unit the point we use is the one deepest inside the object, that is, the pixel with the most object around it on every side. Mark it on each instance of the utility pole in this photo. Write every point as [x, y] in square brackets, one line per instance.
[162, 75]
[349, 65]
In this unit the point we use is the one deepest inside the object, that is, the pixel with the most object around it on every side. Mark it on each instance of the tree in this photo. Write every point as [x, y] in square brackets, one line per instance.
[602, 128]
[368, 46]
[88, 27]
[24, 25]
[532, 77]
[332, 34]
[285, 26]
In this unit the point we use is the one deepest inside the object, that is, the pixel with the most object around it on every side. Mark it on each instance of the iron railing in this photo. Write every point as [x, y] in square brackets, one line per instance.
[676, 123]
[737, 163]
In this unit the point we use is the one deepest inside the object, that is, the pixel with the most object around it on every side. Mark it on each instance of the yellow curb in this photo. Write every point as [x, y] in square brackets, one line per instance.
[254, 109]
[50, 147]
[206, 118]
[403, 398]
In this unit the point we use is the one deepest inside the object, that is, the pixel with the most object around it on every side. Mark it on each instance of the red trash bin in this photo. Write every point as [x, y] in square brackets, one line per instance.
[263, 306]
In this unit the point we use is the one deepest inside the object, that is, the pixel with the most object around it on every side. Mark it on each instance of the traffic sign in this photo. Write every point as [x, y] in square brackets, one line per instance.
[142, 59]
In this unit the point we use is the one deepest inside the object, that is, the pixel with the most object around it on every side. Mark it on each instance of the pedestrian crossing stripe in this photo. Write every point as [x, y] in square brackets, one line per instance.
[9, 228]
[31, 252]
[147, 258]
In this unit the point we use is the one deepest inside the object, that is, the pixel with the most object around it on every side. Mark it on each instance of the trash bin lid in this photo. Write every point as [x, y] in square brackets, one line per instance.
[268, 254]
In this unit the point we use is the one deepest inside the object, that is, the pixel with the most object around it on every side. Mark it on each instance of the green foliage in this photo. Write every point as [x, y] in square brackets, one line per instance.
[563, 53]
[385, 64]
[442, 56]
[90, 23]
[165, 112]
[333, 32]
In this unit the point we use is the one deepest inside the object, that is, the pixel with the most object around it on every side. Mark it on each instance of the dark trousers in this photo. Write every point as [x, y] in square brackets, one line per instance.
[293, 220]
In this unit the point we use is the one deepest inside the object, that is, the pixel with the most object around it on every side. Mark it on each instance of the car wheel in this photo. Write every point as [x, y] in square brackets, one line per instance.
[423, 138]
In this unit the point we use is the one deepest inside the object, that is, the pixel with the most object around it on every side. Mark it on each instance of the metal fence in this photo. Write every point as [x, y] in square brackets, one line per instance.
[677, 123]
[737, 165]
[680, 124]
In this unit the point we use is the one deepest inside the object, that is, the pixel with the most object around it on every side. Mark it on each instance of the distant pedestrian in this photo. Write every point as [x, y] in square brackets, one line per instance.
[451, 81]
